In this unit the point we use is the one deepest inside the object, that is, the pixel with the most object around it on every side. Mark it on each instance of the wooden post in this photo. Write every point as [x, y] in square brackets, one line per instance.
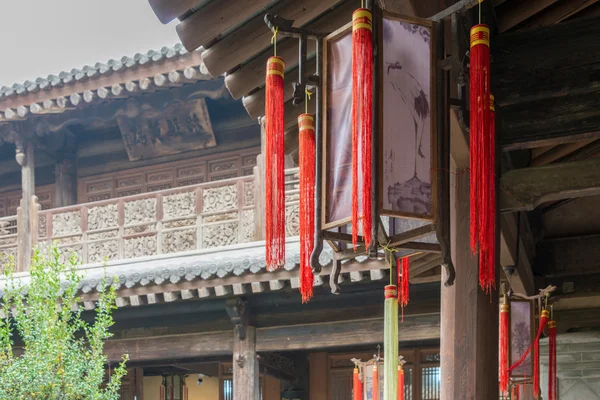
[136, 383]
[469, 317]
[245, 365]
[25, 158]
[66, 182]
[318, 376]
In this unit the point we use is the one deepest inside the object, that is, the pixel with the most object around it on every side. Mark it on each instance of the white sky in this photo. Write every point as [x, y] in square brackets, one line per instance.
[42, 37]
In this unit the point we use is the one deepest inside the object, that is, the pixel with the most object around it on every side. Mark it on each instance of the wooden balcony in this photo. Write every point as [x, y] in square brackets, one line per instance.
[208, 215]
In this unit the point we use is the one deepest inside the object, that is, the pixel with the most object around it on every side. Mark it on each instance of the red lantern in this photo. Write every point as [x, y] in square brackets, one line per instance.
[362, 117]
[274, 165]
[306, 124]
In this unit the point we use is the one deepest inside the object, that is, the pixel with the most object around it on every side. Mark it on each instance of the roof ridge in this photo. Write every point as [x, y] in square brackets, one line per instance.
[88, 71]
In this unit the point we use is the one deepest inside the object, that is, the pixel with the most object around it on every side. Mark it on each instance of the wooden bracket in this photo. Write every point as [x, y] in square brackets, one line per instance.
[236, 309]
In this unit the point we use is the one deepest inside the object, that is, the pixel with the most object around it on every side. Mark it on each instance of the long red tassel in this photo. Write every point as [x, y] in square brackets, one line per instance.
[552, 361]
[400, 383]
[375, 386]
[362, 117]
[357, 386]
[403, 281]
[518, 392]
[482, 160]
[306, 124]
[543, 322]
[503, 359]
[274, 165]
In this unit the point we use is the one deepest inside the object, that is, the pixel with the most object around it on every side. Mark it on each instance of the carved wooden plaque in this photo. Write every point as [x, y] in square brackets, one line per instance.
[153, 132]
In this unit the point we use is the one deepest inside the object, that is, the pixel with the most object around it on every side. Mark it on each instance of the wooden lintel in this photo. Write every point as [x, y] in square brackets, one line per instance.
[526, 188]
[414, 234]
[294, 337]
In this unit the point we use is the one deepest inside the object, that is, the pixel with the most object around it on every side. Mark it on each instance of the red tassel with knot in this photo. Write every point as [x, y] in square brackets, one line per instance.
[362, 117]
[536, 359]
[482, 158]
[400, 382]
[552, 360]
[403, 282]
[357, 386]
[306, 125]
[503, 358]
[274, 165]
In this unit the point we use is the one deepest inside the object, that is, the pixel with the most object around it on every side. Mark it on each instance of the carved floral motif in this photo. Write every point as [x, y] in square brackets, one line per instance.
[103, 217]
[42, 227]
[140, 246]
[248, 193]
[292, 220]
[247, 226]
[66, 223]
[219, 199]
[176, 241]
[100, 251]
[220, 235]
[179, 205]
[138, 211]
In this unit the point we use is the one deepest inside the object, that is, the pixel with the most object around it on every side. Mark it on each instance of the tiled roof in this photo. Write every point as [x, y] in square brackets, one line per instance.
[169, 66]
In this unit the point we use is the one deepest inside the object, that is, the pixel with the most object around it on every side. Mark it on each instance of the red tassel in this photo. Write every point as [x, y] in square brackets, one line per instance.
[362, 117]
[357, 386]
[306, 124]
[403, 281]
[504, 332]
[375, 386]
[552, 361]
[543, 322]
[400, 383]
[274, 162]
[482, 160]
[518, 392]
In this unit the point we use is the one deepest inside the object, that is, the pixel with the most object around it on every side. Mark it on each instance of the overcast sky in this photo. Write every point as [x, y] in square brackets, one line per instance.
[42, 37]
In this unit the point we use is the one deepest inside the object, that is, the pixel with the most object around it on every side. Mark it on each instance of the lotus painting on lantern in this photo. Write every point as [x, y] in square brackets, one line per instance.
[408, 178]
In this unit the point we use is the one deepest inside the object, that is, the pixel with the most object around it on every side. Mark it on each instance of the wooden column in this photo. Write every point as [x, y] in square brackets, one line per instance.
[136, 383]
[25, 158]
[469, 320]
[318, 376]
[66, 182]
[245, 365]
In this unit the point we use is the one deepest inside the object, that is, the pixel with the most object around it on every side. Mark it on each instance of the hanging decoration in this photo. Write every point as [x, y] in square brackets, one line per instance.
[274, 162]
[552, 358]
[536, 360]
[504, 339]
[403, 281]
[390, 344]
[375, 384]
[482, 156]
[306, 125]
[362, 117]
[400, 381]
[357, 386]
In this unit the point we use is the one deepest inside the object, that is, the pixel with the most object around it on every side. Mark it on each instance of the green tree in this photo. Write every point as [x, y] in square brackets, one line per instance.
[62, 355]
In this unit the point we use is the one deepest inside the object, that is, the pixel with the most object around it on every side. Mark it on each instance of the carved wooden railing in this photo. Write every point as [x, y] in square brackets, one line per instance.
[189, 218]
[8, 238]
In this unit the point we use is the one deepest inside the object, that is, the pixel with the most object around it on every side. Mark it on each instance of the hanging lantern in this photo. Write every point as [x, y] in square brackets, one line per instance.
[503, 358]
[390, 344]
[536, 359]
[482, 158]
[403, 282]
[362, 122]
[552, 360]
[306, 125]
[274, 165]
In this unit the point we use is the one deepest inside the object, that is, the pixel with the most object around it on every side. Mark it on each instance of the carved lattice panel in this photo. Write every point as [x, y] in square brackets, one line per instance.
[66, 223]
[219, 199]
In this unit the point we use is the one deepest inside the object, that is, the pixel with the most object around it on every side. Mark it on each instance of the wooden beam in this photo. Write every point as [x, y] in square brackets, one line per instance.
[526, 188]
[254, 37]
[560, 12]
[168, 10]
[520, 12]
[252, 74]
[245, 366]
[215, 18]
[294, 337]
[578, 255]
[545, 84]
